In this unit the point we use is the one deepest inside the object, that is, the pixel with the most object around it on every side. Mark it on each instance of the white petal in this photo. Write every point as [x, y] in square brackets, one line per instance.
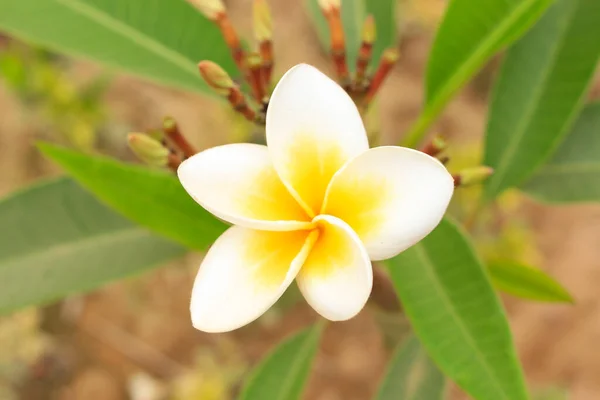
[337, 277]
[313, 128]
[391, 196]
[238, 184]
[243, 274]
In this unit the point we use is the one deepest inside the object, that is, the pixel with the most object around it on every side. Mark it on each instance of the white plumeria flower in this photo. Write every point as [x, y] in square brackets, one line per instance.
[316, 205]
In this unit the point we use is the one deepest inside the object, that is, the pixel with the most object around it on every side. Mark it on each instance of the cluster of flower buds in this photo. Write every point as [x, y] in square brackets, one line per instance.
[169, 148]
[256, 67]
[161, 148]
[362, 88]
[470, 176]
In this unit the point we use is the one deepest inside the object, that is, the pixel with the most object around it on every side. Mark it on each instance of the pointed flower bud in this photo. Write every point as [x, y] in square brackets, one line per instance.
[156, 135]
[147, 149]
[472, 176]
[216, 77]
[327, 5]
[210, 8]
[390, 55]
[435, 146]
[253, 60]
[263, 26]
[369, 31]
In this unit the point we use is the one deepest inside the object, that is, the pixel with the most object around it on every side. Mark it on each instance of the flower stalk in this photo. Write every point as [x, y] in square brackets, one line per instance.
[332, 11]
[435, 146]
[257, 83]
[263, 32]
[222, 83]
[152, 152]
[233, 42]
[215, 11]
[173, 133]
[388, 59]
[472, 176]
[365, 53]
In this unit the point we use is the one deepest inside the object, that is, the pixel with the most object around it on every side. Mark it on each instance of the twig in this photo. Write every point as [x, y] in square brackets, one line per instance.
[388, 59]
[173, 132]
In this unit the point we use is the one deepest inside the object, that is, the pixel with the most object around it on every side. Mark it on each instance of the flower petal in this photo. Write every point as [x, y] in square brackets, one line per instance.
[337, 277]
[238, 184]
[392, 197]
[243, 274]
[313, 128]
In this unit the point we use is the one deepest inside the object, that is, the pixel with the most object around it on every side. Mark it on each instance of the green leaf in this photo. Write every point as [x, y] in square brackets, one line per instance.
[411, 375]
[384, 12]
[57, 239]
[526, 282]
[153, 199]
[457, 316]
[468, 36]
[540, 91]
[282, 374]
[354, 13]
[162, 40]
[573, 174]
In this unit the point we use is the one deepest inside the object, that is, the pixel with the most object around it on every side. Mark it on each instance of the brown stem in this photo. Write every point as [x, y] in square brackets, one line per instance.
[172, 131]
[238, 102]
[338, 46]
[388, 60]
[266, 53]
[233, 42]
[362, 63]
[173, 161]
[256, 77]
[435, 146]
[457, 180]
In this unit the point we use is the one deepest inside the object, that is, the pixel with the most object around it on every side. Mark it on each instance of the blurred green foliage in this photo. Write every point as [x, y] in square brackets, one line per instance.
[45, 84]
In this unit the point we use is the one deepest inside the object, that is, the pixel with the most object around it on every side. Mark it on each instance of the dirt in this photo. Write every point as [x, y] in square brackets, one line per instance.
[142, 325]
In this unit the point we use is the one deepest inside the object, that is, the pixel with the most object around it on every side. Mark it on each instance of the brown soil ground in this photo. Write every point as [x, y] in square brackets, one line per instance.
[105, 337]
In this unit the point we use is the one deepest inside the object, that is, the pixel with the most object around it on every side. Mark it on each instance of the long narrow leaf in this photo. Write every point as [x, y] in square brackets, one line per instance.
[153, 199]
[469, 35]
[573, 174]
[283, 373]
[526, 282]
[457, 316]
[162, 40]
[540, 91]
[57, 239]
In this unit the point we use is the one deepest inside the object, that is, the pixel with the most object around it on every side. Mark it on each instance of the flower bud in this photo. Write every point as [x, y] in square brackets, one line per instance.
[210, 8]
[253, 60]
[263, 26]
[369, 31]
[435, 146]
[156, 134]
[390, 55]
[328, 5]
[473, 176]
[216, 77]
[147, 149]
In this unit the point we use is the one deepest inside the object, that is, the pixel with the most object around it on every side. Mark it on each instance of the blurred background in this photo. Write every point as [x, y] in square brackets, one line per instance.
[134, 340]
